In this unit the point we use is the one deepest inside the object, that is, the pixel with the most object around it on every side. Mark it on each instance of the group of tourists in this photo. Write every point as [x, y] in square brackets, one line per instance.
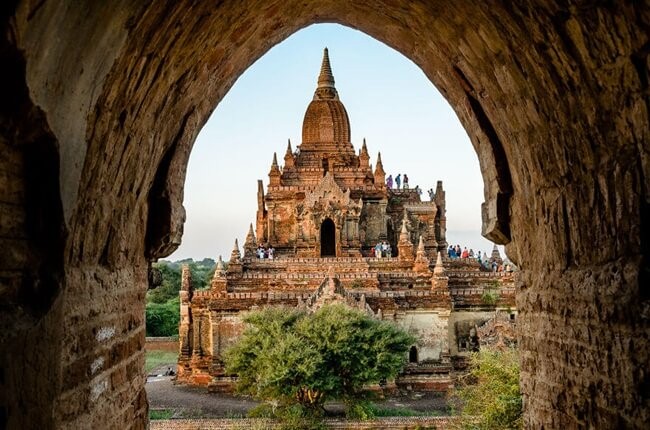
[485, 260]
[382, 249]
[265, 252]
[432, 194]
[457, 252]
[401, 182]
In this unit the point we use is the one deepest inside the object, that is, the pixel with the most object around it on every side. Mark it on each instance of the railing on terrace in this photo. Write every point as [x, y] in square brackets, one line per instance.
[305, 295]
[323, 260]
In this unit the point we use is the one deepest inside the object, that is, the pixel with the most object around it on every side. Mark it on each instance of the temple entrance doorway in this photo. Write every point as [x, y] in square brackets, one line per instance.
[327, 238]
[413, 355]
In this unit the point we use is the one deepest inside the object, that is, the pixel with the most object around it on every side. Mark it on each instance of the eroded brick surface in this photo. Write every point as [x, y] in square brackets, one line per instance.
[106, 102]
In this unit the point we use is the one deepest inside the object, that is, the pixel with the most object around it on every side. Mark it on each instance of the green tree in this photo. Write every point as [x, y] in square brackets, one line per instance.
[163, 311]
[171, 284]
[201, 271]
[489, 394]
[162, 318]
[297, 359]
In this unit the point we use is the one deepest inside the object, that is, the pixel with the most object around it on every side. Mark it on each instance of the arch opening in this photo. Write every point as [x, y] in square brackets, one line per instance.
[327, 238]
[495, 67]
[413, 355]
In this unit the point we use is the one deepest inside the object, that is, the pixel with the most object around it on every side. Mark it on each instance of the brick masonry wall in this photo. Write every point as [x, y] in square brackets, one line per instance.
[554, 96]
[161, 344]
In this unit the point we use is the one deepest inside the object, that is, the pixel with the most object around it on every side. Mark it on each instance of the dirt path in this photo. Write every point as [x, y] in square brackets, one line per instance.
[196, 402]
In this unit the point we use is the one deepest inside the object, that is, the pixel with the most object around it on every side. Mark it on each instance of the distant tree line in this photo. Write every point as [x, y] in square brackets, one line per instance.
[163, 304]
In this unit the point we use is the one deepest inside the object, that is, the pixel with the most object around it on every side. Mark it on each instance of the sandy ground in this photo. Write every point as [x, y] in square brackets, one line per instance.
[196, 402]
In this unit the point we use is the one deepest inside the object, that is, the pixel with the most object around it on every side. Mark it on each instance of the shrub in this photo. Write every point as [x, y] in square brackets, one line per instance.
[489, 394]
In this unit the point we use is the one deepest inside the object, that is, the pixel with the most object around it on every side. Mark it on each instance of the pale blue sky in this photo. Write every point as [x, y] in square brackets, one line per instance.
[390, 102]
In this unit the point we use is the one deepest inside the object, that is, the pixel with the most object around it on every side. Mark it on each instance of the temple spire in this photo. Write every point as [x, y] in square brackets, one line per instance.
[326, 78]
[326, 89]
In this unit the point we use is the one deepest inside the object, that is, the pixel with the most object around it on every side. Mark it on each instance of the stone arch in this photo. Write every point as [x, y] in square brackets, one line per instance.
[555, 101]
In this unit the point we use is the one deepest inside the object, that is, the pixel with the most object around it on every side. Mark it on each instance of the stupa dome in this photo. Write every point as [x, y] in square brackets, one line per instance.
[326, 121]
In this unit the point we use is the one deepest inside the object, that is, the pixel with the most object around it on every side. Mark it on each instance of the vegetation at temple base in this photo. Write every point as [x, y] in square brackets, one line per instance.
[157, 358]
[161, 414]
[489, 396]
[163, 309]
[491, 294]
[295, 361]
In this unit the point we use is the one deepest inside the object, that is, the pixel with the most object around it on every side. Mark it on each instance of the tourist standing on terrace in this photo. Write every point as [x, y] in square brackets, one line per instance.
[389, 182]
[398, 180]
[406, 181]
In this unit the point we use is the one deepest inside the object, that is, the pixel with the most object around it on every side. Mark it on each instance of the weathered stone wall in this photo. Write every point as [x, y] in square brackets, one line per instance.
[430, 328]
[460, 324]
[104, 103]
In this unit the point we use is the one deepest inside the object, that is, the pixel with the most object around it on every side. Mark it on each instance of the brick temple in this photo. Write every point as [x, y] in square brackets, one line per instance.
[323, 212]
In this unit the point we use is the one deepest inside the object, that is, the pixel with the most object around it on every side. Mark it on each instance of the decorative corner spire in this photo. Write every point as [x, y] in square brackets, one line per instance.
[421, 245]
[235, 256]
[250, 243]
[219, 283]
[326, 89]
[404, 230]
[404, 245]
[439, 269]
[219, 271]
[439, 280]
[421, 264]
[274, 173]
[288, 156]
[364, 158]
[380, 174]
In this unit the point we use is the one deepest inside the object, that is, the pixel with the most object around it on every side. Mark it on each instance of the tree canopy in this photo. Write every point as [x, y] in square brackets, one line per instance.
[296, 358]
[163, 308]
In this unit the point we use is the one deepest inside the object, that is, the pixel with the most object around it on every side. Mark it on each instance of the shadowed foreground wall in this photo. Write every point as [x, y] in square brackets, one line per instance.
[101, 104]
